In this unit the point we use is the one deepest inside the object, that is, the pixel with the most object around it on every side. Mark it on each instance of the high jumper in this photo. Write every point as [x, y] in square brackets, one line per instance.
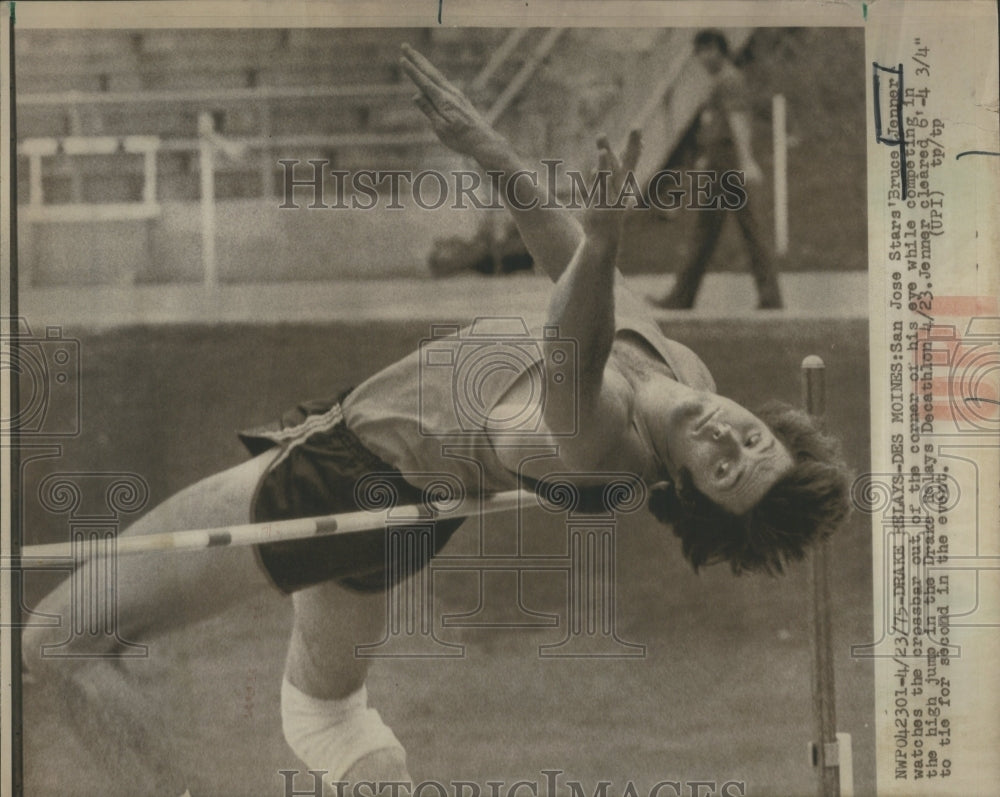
[750, 489]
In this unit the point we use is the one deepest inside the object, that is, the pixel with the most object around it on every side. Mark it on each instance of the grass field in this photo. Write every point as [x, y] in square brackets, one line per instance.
[722, 694]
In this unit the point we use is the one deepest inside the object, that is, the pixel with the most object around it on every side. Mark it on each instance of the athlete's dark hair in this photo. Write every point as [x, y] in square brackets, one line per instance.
[711, 37]
[805, 505]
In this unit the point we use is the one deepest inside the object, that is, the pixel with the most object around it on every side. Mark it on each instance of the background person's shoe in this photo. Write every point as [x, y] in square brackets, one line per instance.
[669, 302]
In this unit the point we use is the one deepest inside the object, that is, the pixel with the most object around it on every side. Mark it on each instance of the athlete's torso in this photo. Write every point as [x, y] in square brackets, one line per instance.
[468, 403]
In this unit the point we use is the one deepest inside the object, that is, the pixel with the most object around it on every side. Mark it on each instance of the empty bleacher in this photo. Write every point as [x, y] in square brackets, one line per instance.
[336, 94]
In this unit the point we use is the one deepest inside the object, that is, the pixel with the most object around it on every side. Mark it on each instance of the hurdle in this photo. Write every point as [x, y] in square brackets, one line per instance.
[43, 556]
[830, 751]
[37, 210]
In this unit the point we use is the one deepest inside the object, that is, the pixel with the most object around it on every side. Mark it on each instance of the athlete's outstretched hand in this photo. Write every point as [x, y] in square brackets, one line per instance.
[605, 216]
[457, 123]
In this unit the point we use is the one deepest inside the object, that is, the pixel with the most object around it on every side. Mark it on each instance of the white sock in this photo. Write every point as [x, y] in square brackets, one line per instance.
[333, 735]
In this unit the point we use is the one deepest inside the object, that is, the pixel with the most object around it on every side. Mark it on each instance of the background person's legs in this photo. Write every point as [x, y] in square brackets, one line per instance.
[761, 264]
[103, 695]
[708, 226]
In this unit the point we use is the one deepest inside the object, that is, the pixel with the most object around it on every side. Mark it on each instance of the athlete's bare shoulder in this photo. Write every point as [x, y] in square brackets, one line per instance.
[635, 357]
[583, 444]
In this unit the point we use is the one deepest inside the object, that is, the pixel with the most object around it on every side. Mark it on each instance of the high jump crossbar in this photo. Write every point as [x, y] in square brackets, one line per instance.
[45, 556]
[830, 751]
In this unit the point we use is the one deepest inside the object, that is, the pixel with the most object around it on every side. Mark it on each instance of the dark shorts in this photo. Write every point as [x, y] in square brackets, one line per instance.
[315, 473]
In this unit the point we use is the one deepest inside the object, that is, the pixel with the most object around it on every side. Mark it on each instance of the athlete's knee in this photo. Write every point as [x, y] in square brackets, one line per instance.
[45, 650]
[36, 638]
[333, 735]
[60, 629]
[52, 651]
[46, 627]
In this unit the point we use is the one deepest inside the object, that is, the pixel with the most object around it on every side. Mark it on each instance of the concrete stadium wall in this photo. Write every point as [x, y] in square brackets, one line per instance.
[256, 241]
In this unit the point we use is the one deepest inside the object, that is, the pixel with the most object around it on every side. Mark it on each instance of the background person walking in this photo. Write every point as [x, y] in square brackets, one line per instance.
[723, 143]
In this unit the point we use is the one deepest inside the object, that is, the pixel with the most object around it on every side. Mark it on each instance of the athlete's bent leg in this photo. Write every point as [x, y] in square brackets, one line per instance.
[99, 691]
[325, 715]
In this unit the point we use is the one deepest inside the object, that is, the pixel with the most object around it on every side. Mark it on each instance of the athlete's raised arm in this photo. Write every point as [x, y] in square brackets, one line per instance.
[582, 306]
[553, 235]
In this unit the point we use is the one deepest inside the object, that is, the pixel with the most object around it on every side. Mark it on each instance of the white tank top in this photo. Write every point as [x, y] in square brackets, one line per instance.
[430, 413]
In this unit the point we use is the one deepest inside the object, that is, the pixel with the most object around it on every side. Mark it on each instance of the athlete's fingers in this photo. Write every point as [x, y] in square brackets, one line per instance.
[429, 89]
[632, 150]
[611, 163]
[427, 68]
[605, 167]
[603, 162]
[605, 146]
[427, 107]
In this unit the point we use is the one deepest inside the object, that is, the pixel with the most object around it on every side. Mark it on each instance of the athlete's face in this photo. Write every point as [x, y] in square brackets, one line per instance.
[733, 456]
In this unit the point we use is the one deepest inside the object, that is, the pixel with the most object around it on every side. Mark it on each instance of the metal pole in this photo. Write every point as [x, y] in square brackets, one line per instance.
[780, 141]
[206, 145]
[526, 72]
[825, 750]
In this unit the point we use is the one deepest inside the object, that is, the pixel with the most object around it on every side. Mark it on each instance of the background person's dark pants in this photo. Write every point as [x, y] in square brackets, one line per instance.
[708, 227]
